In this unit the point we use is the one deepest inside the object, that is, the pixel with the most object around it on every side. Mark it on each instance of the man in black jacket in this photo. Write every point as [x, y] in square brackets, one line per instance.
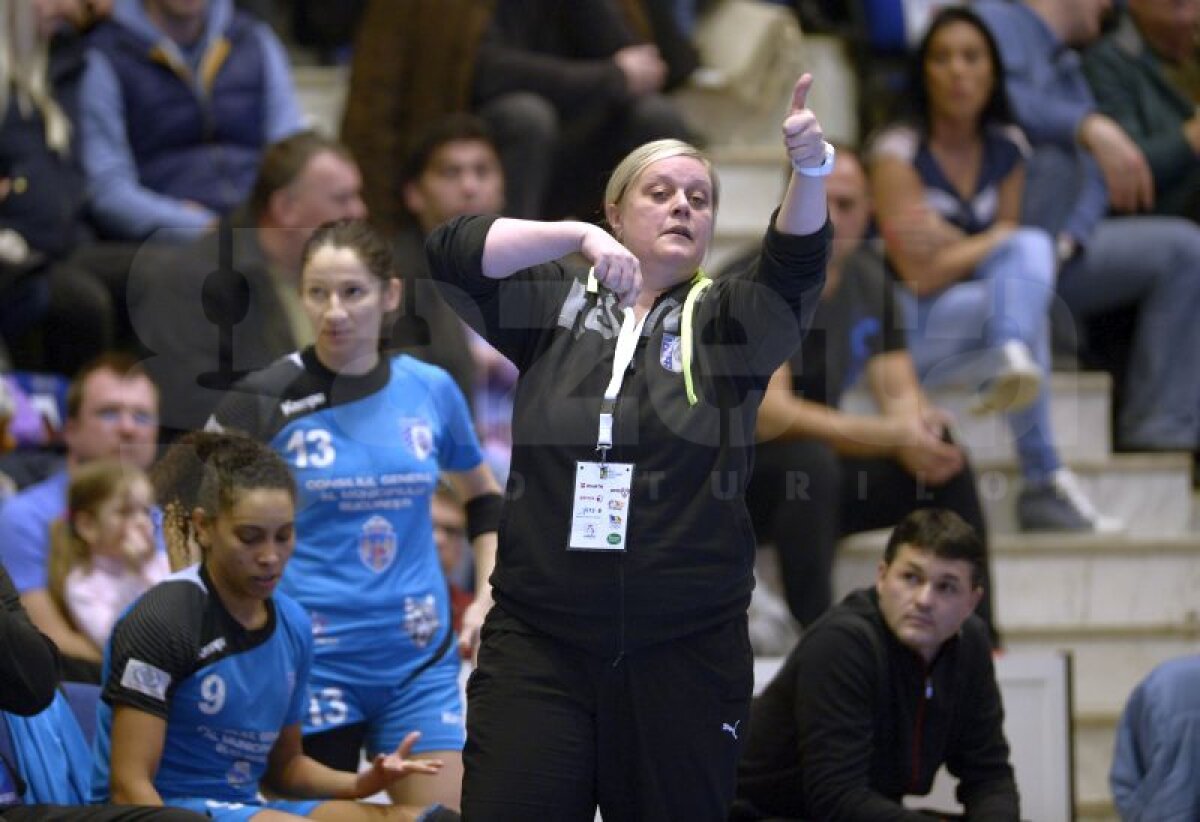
[884, 689]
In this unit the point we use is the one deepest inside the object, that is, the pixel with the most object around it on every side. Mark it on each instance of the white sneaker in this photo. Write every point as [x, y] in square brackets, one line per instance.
[1014, 386]
[1060, 504]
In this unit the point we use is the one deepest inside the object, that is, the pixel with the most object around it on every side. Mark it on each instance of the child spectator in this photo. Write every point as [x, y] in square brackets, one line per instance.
[102, 553]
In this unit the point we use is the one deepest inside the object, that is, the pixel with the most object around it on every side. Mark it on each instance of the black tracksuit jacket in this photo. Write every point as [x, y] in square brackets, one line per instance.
[854, 721]
[690, 543]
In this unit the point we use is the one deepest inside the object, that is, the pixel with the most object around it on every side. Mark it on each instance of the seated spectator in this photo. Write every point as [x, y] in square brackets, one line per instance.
[450, 537]
[1083, 163]
[978, 286]
[54, 315]
[1132, 74]
[568, 90]
[187, 717]
[1157, 754]
[891, 684]
[454, 170]
[820, 473]
[102, 553]
[182, 297]
[112, 412]
[179, 100]
[29, 688]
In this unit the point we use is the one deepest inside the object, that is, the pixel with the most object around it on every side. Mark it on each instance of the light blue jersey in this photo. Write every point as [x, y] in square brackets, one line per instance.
[366, 452]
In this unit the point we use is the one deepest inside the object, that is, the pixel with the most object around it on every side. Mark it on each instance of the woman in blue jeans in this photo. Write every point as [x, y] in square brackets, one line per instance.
[947, 190]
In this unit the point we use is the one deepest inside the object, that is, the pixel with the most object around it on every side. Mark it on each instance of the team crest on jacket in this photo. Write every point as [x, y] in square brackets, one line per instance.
[670, 355]
[377, 544]
[420, 619]
[417, 436]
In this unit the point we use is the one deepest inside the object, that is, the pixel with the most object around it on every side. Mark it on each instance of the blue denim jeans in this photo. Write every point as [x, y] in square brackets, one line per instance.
[955, 335]
[1153, 263]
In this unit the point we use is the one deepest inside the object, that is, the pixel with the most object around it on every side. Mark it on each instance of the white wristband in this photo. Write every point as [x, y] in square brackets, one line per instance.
[823, 169]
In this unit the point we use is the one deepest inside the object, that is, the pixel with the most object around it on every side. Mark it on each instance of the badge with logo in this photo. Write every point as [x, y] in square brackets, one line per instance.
[421, 619]
[377, 544]
[417, 436]
[145, 679]
[670, 355]
[239, 774]
[600, 513]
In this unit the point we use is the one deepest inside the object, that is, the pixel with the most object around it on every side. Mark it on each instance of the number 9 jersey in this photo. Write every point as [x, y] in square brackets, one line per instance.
[225, 692]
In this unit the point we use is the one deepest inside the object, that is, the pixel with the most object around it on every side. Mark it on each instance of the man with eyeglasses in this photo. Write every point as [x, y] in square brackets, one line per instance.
[112, 411]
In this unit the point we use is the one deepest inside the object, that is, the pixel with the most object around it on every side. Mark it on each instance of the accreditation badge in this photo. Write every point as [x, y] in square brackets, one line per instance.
[600, 513]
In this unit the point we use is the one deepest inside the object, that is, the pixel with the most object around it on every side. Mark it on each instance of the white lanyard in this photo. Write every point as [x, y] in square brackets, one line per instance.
[631, 330]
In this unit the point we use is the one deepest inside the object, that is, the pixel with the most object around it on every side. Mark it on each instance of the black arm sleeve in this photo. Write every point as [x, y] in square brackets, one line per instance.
[154, 647]
[762, 314]
[516, 315]
[28, 659]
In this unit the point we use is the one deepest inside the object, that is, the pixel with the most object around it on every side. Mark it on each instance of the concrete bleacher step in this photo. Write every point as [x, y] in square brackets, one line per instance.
[1107, 661]
[1150, 493]
[752, 180]
[322, 93]
[1095, 735]
[1050, 587]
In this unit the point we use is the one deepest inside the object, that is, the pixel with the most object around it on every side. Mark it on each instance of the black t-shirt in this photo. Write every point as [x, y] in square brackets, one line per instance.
[857, 322]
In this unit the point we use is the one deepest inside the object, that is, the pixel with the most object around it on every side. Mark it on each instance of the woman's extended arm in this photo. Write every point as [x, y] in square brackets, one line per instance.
[513, 245]
[803, 209]
[292, 773]
[469, 485]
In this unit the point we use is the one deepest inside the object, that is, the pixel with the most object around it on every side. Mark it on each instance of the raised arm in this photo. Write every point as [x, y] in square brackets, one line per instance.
[803, 210]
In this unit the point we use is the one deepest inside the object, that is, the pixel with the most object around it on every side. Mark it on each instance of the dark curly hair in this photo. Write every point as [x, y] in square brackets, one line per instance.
[208, 470]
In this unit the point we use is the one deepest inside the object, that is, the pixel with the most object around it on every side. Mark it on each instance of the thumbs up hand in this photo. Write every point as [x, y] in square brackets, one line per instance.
[802, 134]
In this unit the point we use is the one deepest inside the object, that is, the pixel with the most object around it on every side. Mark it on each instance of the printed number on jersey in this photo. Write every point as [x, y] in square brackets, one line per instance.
[313, 448]
[212, 694]
[327, 707]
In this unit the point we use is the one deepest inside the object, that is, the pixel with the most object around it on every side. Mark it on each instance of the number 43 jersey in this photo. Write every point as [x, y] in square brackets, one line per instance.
[366, 451]
[225, 692]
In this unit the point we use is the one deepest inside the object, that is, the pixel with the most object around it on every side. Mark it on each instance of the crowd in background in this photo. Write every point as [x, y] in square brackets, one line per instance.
[1030, 197]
